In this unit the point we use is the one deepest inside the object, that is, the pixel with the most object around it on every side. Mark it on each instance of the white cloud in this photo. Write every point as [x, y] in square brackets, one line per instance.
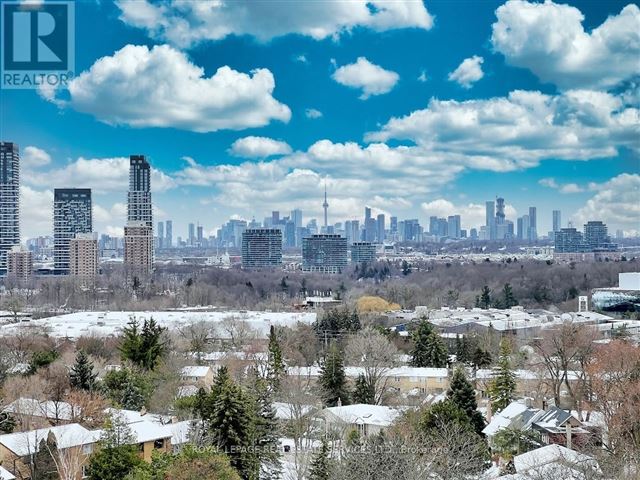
[301, 58]
[258, 147]
[188, 22]
[562, 188]
[423, 77]
[33, 157]
[472, 214]
[100, 174]
[468, 72]
[515, 132]
[36, 212]
[313, 113]
[162, 88]
[617, 202]
[549, 39]
[371, 78]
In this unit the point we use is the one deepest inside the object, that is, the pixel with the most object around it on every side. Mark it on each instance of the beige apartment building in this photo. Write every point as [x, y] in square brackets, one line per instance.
[19, 263]
[138, 248]
[83, 255]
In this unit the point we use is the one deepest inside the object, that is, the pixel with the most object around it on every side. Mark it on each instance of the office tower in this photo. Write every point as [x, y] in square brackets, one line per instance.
[168, 243]
[325, 206]
[569, 240]
[71, 215]
[83, 255]
[500, 217]
[557, 222]
[393, 225]
[289, 234]
[533, 224]
[526, 227]
[433, 225]
[348, 232]
[596, 237]
[473, 234]
[139, 205]
[138, 249]
[296, 217]
[262, 247]
[324, 253]
[363, 252]
[19, 263]
[490, 220]
[411, 230]
[161, 235]
[619, 234]
[355, 230]
[380, 228]
[275, 218]
[453, 226]
[9, 200]
[200, 235]
[191, 239]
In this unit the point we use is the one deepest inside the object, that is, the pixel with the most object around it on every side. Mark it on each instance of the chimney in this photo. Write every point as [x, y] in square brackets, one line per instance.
[569, 435]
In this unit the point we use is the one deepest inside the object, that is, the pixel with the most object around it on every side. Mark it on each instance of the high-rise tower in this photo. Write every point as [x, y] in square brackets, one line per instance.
[325, 206]
[139, 207]
[9, 200]
[71, 215]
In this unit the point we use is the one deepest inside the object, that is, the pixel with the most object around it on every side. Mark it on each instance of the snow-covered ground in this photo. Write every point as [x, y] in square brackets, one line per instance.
[74, 325]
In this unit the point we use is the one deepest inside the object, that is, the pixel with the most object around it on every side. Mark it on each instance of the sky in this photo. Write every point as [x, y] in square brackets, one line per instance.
[413, 108]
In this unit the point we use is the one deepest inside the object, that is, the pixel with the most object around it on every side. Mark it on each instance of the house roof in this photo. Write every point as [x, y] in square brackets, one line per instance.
[553, 458]
[286, 411]
[354, 372]
[515, 414]
[362, 414]
[195, 371]
[45, 409]
[67, 436]
[179, 432]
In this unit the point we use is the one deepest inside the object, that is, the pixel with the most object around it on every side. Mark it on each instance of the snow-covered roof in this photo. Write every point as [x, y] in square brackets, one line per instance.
[148, 430]
[67, 436]
[287, 411]
[488, 374]
[6, 474]
[179, 432]
[134, 416]
[187, 391]
[554, 459]
[354, 372]
[195, 371]
[507, 417]
[45, 409]
[74, 325]
[362, 414]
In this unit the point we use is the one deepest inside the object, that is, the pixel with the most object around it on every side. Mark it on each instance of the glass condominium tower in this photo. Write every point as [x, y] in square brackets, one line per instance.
[9, 200]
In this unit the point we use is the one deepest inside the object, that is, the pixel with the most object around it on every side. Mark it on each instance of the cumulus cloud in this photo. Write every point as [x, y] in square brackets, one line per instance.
[258, 147]
[36, 211]
[160, 87]
[468, 72]
[100, 174]
[549, 39]
[472, 214]
[313, 113]
[517, 131]
[188, 22]
[562, 188]
[34, 157]
[370, 78]
[616, 202]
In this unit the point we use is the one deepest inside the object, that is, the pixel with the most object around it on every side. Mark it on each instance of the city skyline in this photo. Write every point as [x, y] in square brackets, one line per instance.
[345, 106]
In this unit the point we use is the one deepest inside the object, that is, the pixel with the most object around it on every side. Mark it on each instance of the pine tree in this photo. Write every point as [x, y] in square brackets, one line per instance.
[332, 379]
[508, 299]
[428, 349]
[463, 355]
[144, 346]
[44, 463]
[485, 297]
[364, 392]
[481, 358]
[463, 395]
[266, 431]
[503, 386]
[81, 375]
[132, 398]
[229, 417]
[321, 464]
[275, 367]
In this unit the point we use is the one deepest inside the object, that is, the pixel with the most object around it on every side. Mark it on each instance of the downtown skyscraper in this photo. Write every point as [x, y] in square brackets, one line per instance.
[9, 200]
[138, 233]
[72, 215]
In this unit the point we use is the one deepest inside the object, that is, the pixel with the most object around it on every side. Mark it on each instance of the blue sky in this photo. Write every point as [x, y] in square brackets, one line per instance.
[414, 108]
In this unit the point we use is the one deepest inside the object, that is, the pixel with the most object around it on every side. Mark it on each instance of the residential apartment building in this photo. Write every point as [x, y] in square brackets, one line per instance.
[261, 248]
[9, 200]
[19, 263]
[138, 249]
[72, 214]
[325, 253]
[83, 255]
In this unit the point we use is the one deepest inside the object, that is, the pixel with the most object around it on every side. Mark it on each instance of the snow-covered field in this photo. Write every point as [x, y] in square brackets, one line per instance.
[74, 325]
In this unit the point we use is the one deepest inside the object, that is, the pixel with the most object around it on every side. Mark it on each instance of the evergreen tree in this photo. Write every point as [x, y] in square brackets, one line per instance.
[443, 413]
[485, 298]
[266, 431]
[508, 299]
[364, 392]
[503, 386]
[132, 398]
[118, 453]
[321, 464]
[332, 381]
[44, 463]
[481, 358]
[463, 355]
[229, 417]
[81, 375]
[463, 395]
[144, 346]
[428, 348]
[406, 268]
[275, 367]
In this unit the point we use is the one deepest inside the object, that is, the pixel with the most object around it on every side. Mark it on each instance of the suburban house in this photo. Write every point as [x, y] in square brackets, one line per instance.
[30, 413]
[73, 441]
[553, 461]
[366, 419]
[199, 376]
